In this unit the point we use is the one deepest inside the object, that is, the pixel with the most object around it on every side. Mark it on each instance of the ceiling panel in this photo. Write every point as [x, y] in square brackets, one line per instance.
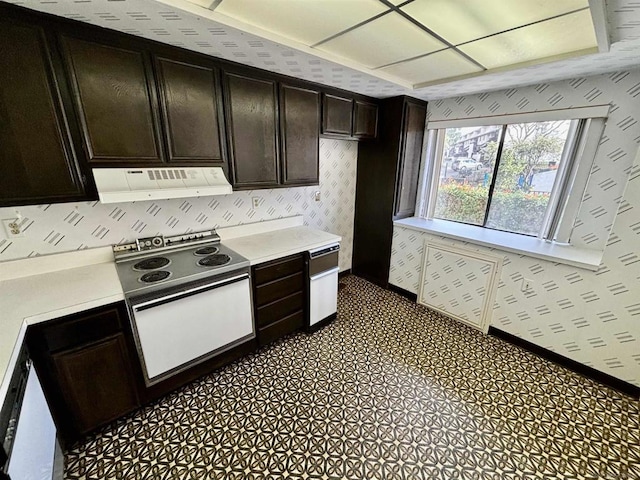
[307, 22]
[388, 39]
[439, 65]
[559, 36]
[459, 21]
[180, 23]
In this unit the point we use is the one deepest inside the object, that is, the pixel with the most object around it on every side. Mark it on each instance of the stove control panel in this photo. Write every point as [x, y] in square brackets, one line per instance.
[149, 243]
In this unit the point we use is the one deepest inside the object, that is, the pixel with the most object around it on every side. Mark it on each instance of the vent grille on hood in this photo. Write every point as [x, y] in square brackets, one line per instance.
[136, 184]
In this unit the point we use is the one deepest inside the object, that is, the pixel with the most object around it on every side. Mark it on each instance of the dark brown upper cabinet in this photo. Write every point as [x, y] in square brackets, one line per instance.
[38, 163]
[252, 131]
[300, 130]
[192, 112]
[365, 119]
[337, 115]
[116, 100]
[414, 118]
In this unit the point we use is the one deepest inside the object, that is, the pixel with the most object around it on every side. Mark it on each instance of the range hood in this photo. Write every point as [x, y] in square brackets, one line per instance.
[117, 185]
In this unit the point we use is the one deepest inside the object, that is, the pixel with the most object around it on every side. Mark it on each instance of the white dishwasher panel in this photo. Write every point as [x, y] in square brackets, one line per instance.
[34, 447]
[175, 333]
[323, 295]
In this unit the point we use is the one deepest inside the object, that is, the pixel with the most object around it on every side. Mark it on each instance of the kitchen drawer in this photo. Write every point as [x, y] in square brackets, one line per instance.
[78, 330]
[280, 328]
[279, 288]
[278, 269]
[278, 309]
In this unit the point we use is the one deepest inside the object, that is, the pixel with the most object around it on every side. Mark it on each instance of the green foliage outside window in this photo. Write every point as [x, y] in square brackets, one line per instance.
[516, 210]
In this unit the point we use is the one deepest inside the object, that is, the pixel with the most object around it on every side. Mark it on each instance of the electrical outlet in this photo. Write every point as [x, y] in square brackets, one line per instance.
[316, 196]
[256, 202]
[12, 228]
[527, 285]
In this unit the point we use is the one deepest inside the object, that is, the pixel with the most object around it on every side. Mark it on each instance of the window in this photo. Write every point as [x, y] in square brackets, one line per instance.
[520, 175]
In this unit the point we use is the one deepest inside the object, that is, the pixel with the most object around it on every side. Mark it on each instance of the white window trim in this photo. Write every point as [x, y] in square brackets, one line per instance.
[599, 111]
[558, 250]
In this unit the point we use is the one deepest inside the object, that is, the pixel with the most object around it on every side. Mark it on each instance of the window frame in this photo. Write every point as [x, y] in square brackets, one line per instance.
[569, 185]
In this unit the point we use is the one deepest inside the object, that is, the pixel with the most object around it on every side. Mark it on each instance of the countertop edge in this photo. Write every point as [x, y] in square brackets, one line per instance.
[286, 253]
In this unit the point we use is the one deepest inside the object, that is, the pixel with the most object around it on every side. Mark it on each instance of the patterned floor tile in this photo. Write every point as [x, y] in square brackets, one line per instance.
[390, 390]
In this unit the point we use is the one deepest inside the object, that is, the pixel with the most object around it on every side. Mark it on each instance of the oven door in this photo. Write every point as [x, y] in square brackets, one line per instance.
[178, 328]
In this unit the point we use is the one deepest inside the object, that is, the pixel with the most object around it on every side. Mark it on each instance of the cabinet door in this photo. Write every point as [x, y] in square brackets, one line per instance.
[300, 130]
[337, 115]
[252, 129]
[96, 382]
[116, 101]
[365, 119]
[190, 105]
[37, 161]
[410, 157]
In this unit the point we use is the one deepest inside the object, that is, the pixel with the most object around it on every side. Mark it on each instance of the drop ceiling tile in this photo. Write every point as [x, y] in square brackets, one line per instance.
[437, 66]
[307, 22]
[459, 21]
[562, 35]
[388, 39]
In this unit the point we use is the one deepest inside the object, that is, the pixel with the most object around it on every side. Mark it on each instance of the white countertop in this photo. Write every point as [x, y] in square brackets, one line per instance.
[266, 246]
[37, 289]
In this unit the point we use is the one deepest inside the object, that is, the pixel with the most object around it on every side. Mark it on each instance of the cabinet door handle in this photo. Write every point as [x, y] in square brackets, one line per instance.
[188, 293]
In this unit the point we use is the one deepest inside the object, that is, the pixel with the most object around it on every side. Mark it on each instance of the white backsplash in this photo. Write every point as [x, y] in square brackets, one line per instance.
[61, 227]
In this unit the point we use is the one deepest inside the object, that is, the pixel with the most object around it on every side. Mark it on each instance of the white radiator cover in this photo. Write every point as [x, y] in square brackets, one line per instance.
[459, 282]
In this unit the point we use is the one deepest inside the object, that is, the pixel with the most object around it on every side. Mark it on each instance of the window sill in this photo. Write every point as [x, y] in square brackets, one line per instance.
[509, 242]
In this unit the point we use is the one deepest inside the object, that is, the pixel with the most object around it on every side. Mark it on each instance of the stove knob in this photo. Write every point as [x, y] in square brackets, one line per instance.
[157, 242]
[147, 243]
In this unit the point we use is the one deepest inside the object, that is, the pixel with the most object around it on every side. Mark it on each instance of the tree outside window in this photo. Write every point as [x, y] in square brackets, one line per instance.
[524, 159]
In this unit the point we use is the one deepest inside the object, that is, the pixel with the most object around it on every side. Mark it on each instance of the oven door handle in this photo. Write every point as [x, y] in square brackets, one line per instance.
[188, 293]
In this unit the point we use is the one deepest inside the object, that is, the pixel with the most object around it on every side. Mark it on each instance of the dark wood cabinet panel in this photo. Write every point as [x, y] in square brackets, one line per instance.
[337, 115]
[279, 268]
[191, 110]
[252, 129]
[279, 329]
[411, 156]
[280, 300]
[37, 160]
[380, 176]
[278, 288]
[96, 382]
[365, 119]
[116, 100]
[300, 130]
[281, 308]
[85, 365]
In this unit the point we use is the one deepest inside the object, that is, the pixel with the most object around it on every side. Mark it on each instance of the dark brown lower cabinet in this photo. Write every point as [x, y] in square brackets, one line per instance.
[85, 366]
[279, 297]
[96, 381]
